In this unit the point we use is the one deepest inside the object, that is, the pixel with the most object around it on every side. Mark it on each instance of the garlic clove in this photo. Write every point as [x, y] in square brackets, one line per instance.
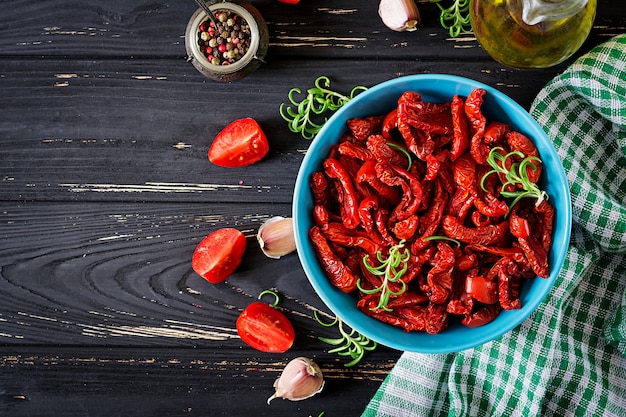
[301, 379]
[276, 237]
[399, 15]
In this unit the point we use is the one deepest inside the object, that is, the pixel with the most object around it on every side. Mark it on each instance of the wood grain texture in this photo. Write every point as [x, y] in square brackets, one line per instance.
[139, 130]
[153, 29]
[105, 190]
[121, 274]
[195, 382]
[154, 338]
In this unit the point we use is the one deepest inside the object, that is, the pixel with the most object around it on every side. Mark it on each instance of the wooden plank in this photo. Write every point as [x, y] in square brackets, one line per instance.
[139, 130]
[100, 314]
[342, 29]
[171, 382]
[100, 274]
[106, 190]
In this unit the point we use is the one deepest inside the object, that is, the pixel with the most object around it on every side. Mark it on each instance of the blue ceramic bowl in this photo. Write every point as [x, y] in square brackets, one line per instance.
[379, 100]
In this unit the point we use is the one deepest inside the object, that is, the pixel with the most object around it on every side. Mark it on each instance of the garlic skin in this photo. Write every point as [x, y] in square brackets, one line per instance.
[399, 15]
[301, 379]
[276, 238]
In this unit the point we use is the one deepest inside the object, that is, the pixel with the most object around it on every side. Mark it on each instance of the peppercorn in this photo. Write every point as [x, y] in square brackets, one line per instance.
[230, 36]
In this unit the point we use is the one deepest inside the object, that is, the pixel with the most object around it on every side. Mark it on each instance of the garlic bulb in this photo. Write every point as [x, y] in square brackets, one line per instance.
[399, 15]
[276, 237]
[301, 379]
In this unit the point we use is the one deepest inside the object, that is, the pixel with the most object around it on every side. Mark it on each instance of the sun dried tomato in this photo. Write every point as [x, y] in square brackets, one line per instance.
[367, 174]
[370, 196]
[521, 143]
[319, 188]
[490, 206]
[381, 151]
[341, 235]
[390, 124]
[483, 316]
[495, 132]
[349, 200]
[481, 289]
[477, 122]
[355, 150]
[440, 277]
[411, 189]
[340, 275]
[406, 228]
[460, 142]
[362, 128]
[487, 235]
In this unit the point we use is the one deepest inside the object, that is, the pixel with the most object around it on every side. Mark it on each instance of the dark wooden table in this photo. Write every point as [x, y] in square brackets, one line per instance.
[106, 190]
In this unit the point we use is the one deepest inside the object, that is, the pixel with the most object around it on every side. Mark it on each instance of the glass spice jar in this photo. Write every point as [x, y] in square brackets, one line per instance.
[233, 49]
[531, 33]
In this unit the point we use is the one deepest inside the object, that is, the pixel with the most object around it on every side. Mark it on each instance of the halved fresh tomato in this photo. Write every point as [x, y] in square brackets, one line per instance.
[264, 328]
[218, 255]
[241, 143]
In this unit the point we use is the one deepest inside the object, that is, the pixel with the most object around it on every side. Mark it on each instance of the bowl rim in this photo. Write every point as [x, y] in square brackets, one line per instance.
[368, 326]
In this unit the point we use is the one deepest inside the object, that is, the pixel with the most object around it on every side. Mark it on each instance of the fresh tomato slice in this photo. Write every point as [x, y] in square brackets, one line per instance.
[289, 1]
[219, 254]
[264, 328]
[241, 143]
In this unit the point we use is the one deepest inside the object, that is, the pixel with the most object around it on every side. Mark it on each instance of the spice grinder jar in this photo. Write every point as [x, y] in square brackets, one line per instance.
[221, 69]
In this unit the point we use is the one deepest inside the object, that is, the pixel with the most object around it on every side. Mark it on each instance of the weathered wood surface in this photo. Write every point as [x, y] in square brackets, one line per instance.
[105, 190]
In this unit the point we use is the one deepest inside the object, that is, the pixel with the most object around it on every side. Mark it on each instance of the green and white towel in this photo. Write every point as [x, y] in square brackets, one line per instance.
[569, 357]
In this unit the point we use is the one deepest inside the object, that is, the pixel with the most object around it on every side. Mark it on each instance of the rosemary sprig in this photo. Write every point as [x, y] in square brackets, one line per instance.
[352, 344]
[516, 175]
[391, 269]
[403, 151]
[455, 18]
[272, 293]
[319, 99]
[438, 237]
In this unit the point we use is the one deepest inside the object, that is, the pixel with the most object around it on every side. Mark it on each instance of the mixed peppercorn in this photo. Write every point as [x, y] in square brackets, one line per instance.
[227, 40]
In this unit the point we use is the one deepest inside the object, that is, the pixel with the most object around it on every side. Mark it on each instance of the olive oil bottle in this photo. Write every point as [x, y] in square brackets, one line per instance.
[531, 33]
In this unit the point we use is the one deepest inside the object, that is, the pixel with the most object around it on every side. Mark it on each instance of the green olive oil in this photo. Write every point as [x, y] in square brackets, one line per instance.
[501, 31]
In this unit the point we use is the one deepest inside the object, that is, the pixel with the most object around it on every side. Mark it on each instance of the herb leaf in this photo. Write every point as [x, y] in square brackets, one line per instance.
[391, 269]
[516, 175]
[437, 237]
[455, 18]
[301, 116]
[352, 344]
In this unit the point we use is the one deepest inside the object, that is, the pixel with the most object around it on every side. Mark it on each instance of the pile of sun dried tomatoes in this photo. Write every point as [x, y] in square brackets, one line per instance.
[417, 179]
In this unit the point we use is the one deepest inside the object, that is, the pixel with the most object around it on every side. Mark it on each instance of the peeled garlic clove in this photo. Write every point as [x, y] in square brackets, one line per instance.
[276, 237]
[399, 15]
[301, 379]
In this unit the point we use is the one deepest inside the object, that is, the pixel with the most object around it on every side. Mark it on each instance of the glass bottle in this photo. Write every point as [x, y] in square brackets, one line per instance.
[531, 33]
